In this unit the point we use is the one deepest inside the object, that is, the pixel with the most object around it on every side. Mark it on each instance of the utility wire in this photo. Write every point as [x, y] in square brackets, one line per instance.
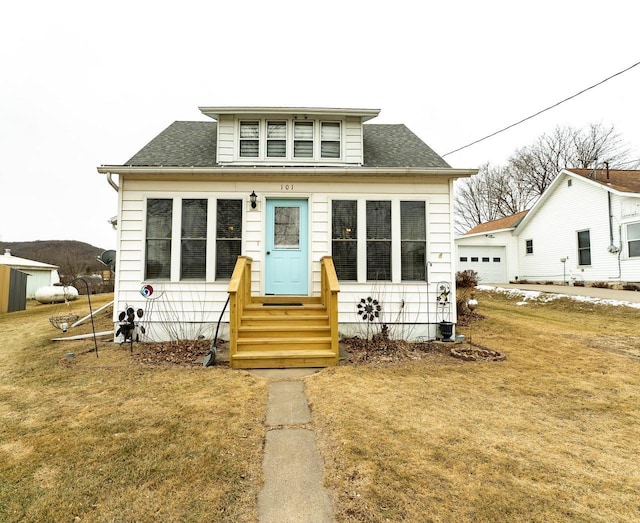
[543, 110]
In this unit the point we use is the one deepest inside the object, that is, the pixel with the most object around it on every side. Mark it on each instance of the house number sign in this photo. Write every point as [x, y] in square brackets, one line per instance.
[286, 187]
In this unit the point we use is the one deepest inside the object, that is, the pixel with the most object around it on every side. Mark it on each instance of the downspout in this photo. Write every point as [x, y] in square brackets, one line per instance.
[112, 183]
[614, 249]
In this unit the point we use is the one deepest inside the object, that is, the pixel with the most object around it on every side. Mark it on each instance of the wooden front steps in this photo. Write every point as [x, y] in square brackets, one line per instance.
[274, 333]
[282, 331]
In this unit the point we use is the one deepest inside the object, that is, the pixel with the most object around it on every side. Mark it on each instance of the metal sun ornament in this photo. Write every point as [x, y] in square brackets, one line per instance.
[369, 309]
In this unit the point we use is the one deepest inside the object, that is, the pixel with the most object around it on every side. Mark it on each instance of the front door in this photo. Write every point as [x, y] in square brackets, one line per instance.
[286, 267]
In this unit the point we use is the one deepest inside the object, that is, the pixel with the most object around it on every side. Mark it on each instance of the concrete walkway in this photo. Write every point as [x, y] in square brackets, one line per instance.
[292, 468]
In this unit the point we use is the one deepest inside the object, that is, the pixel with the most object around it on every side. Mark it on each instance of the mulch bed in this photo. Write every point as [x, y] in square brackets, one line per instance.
[182, 352]
[354, 350]
[379, 350]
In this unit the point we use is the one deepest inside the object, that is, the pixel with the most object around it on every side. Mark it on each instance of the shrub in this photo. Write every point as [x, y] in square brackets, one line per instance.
[601, 285]
[466, 282]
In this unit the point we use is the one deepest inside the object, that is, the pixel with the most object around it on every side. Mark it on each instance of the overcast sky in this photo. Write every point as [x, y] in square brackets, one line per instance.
[85, 83]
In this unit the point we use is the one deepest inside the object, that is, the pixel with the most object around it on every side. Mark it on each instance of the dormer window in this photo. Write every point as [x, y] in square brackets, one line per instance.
[276, 139]
[291, 139]
[330, 140]
[303, 140]
[249, 139]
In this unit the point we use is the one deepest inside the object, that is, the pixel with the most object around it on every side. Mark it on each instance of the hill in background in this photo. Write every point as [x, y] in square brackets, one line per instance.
[74, 258]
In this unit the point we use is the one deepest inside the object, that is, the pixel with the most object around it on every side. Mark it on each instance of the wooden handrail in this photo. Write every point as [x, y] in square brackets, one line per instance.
[330, 287]
[239, 295]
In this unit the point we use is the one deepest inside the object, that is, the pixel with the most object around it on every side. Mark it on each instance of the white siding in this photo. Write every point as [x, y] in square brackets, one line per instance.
[553, 229]
[226, 139]
[353, 141]
[405, 304]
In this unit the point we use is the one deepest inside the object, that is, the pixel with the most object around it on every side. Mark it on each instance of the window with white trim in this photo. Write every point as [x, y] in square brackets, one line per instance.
[190, 243]
[276, 139]
[290, 139]
[250, 139]
[193, 242]
[228, 236]
[584, 248]
[330, 140]
[303, 140]
[158, 239]
[633, 239]
[413, 240]
[378, 216]
[344, 238]
[528, 246]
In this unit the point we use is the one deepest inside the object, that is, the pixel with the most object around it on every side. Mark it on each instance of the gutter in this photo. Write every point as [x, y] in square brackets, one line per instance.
[292, 170]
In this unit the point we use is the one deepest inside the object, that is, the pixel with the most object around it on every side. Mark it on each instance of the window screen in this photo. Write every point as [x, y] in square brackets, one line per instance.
[584, 248]
[413, 241]
[303, 140]
[249, 139]
[344, 234]
[330, 140]
[378, 240]
[193, 244]
[276, 139]
[633, 239]
[158, 239]
[228, 236]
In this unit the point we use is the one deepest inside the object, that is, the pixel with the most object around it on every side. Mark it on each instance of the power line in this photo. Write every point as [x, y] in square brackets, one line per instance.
[543, 110]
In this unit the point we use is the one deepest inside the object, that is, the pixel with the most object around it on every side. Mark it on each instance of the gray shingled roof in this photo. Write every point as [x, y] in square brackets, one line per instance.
[193, 144]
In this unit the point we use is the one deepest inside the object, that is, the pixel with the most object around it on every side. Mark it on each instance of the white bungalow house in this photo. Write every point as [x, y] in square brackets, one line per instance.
[313, 223]
[584, 228]
[39, 274]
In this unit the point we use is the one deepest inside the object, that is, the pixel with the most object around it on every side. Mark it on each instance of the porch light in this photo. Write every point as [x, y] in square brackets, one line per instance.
[253, 198]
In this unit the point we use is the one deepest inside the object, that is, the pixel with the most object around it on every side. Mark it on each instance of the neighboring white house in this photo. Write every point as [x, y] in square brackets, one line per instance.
[584, 228]
[40, 274]
[285, 187]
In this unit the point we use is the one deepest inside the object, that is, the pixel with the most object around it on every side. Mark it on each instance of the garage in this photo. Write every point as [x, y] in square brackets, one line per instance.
[489, 262]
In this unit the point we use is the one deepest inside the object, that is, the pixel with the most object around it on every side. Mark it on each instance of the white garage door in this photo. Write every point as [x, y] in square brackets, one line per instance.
[489, 262]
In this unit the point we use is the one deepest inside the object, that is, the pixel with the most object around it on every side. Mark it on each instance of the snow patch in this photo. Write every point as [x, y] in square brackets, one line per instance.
[546, 297]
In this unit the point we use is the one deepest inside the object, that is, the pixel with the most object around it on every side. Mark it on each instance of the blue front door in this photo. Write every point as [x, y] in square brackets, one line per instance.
[286, 267]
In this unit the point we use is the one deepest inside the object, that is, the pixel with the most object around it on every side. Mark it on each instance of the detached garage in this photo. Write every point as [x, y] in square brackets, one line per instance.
[491, 249]
[488, 262]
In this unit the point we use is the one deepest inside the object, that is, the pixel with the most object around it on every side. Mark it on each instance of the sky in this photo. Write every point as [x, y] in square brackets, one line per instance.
[84, 84]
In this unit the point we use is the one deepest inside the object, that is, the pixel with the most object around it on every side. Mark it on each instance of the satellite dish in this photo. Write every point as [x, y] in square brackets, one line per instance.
[108, 258]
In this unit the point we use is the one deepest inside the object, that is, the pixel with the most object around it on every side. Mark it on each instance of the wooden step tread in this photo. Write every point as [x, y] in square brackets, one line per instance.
[289, 341]
[263, 354]
[283, 359]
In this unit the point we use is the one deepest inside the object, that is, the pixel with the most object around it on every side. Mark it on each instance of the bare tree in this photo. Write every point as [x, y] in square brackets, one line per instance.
[496, 192]
[493, 193]
[472, 201]
[537, 165]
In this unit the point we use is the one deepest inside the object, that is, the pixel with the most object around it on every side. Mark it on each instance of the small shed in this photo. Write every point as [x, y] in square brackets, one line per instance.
[40, 274]
[13, 287]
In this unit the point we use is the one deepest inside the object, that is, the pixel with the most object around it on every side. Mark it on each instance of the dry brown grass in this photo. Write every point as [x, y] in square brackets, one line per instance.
[108, 439]
[550, 434]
